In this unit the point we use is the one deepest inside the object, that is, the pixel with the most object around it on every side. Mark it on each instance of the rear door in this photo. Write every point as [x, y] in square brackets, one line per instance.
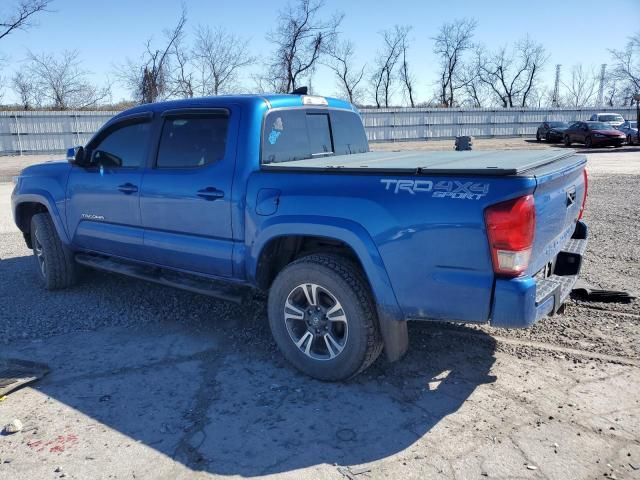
[103, 211]
[185, 200]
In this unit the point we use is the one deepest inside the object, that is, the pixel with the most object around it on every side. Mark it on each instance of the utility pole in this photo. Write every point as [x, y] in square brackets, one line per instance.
[556, 88]
[603, 69]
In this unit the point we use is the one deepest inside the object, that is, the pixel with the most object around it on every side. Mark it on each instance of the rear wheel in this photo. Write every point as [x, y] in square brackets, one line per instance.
[55, 265]
[567, 142]
[587, 142]
[323, 318]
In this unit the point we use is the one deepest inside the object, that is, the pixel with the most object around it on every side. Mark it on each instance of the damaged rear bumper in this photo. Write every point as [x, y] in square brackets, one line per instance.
[522, 301]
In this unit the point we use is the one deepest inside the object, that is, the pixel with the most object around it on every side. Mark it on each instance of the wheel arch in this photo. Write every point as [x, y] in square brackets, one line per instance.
[28, 205]
[343, 234]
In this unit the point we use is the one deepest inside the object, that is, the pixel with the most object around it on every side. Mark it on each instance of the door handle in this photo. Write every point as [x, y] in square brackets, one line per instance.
[128, 188]
[210, 193]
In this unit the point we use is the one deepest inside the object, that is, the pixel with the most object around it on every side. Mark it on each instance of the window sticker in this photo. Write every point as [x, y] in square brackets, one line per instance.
[276, 131]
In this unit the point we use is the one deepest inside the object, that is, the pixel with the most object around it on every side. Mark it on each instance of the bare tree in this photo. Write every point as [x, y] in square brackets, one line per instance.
[21, 16]
[406, 77]
[341, 61]
[182, 82]
[512, 74]
[301, 39]
[452, 41]
[384, 75]
[582, 87]
[149, 77]
[62, 82]
[475, 93]
[220, 56]
[627, 63]
[25, 88]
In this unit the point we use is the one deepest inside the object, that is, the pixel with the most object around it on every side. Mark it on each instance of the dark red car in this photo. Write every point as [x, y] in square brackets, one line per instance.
[593, 134]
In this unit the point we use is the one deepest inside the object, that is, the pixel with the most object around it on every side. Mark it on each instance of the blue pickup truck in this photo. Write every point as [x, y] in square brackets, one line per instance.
[280, 193]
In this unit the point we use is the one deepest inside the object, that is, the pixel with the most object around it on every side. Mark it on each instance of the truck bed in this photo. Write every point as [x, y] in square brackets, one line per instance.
[482, 163]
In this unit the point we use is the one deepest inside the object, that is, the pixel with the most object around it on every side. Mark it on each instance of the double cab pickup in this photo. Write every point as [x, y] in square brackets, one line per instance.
[280, 193]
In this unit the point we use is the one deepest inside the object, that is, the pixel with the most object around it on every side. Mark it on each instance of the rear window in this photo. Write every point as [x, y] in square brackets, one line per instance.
[610, 118]
[299, 134]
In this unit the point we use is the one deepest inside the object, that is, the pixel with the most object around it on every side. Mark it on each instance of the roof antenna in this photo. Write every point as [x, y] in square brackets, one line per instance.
[300, 91]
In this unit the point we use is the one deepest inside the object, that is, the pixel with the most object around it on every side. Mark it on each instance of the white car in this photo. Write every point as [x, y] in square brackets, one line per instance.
[630, 129]
[613, 119]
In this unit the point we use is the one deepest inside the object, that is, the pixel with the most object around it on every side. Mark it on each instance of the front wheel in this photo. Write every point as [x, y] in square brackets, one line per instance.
[55, 265]
[567, 142]
[538, 136]
[587, 142]
[323, 318]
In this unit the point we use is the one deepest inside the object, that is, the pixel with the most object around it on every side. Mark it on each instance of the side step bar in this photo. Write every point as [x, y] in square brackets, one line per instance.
[168, 278]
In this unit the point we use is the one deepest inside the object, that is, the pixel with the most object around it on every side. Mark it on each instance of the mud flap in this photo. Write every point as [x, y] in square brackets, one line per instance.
[394, 336]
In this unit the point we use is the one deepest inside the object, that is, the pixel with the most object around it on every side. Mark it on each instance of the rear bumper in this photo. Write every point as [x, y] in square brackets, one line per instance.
[522, 301]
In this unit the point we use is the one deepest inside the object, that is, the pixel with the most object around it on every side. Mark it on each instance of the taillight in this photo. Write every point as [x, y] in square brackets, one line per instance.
[584, 198]
[510, 227]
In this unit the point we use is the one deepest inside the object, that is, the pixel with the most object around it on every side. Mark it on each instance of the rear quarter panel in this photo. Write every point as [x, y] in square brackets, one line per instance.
[434, 250]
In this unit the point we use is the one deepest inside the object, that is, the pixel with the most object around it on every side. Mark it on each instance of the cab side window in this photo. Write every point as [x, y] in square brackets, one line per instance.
[123, 147]
[192, 141]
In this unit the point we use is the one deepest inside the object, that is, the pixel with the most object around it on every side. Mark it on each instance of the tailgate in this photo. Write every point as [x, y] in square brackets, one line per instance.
[560, 189]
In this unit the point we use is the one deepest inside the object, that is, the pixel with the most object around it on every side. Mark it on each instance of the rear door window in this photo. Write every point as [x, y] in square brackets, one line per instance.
[191, 141]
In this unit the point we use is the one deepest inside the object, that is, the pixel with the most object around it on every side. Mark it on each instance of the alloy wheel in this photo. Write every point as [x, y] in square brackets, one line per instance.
[316, 321]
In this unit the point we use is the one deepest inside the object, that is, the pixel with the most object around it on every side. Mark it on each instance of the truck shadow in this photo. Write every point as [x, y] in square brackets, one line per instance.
[219, 398]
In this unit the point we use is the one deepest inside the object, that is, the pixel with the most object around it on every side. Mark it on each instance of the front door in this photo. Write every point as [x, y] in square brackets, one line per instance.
[103, 210]
[185, 200]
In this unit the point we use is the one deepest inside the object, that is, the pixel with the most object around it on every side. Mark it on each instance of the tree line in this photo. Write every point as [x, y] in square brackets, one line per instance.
[200, 61]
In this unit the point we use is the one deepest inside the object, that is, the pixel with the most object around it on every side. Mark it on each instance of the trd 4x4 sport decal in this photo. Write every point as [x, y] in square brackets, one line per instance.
[440, 189]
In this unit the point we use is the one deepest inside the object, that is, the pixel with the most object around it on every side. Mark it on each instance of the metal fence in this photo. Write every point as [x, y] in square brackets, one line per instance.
[53, 132]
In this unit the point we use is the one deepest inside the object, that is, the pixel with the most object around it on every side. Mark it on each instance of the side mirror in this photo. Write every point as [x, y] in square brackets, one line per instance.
[75, 156]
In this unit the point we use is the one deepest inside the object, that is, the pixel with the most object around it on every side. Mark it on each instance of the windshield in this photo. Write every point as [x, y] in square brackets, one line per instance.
[558, 124]
[610, 118]
[600, 126]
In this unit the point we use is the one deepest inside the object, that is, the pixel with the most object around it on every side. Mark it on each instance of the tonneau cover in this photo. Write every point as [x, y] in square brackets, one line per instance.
[487, 162]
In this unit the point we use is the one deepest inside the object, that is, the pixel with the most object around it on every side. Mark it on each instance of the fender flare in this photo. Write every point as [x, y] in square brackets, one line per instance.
[391, 320]
[44, 198]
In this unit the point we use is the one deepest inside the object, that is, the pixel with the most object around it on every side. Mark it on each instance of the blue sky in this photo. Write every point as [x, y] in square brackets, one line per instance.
[107, 32]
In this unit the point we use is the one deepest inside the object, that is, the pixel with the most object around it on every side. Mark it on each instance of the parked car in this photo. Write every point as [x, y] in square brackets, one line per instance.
[227, 195]
[613, 119]
[593, 134]
[551, 131]
[630, 129]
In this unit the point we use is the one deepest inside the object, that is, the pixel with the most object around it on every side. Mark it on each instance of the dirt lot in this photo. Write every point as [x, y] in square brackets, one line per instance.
[149, 382]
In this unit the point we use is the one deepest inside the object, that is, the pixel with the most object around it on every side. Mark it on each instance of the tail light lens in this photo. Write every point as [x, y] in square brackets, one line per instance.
[584, 198]
[510, 227]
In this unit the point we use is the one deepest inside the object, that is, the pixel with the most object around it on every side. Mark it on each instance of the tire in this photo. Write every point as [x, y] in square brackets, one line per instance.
[54, 263]
[587, 142]
[537, 136]
[301, 300]
[567, 142]
[629, 141]
[547, 137]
